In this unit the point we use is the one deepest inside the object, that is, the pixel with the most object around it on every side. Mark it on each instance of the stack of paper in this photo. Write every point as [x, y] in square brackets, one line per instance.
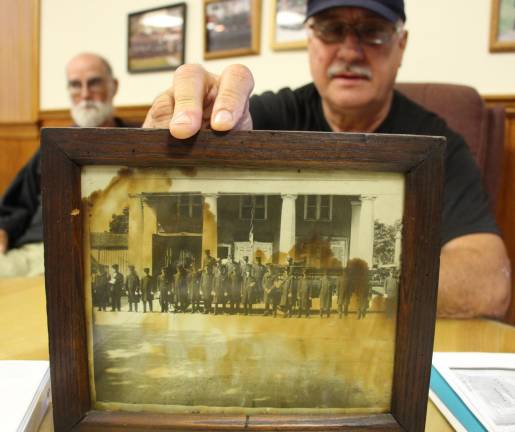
[24, 394]
[475, 391]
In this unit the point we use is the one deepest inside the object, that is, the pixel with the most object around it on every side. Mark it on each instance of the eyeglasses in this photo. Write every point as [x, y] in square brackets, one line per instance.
[373, 32]
[94, 85]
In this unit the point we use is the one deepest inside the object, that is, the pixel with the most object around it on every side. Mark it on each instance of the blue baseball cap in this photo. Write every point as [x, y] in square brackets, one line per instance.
[392, 10]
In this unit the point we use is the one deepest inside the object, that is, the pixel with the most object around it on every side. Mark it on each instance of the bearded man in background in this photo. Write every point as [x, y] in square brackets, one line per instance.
[92, 87]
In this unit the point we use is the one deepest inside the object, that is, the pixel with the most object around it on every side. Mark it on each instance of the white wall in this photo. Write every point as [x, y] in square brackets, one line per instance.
[448, 42]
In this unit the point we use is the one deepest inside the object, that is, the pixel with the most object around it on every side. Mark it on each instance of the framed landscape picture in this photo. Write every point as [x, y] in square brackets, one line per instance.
[287, 24]
[248, 280]
[156, 38]
[231, 28]
[502, 27]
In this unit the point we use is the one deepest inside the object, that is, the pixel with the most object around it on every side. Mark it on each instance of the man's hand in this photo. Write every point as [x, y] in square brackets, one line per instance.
[4, 241]
[475, 277]
[199, 99]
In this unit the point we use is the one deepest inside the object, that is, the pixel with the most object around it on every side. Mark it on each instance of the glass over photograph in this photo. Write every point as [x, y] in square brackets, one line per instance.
[156, 39]
[230, 291]
[232, 28]
[288, 24]
[506, 26]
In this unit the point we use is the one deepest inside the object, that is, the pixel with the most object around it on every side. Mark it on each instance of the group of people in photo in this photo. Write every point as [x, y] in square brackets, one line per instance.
[228, 286]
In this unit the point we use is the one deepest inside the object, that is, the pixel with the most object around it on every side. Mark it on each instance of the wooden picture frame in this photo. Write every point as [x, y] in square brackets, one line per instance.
[290, 34]
[238, 34]
[67, 151]
[502, 26]
[156, 38]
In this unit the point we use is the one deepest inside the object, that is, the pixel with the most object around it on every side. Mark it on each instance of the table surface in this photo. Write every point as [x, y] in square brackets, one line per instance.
[24, 334]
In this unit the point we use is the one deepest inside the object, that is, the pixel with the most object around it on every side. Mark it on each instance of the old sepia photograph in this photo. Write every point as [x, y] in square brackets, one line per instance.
[242, 291]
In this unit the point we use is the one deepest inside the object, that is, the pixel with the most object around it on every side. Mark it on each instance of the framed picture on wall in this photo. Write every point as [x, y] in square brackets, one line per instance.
[287, 30]
[231, 28]
[252, 280]
[502, 26]
[156, 38]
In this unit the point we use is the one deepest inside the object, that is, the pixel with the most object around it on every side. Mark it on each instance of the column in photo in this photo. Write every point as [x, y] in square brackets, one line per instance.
[287, 234]
[135, 232]
[354, 228]
[210, 225]
[366, 229]
[149, 223]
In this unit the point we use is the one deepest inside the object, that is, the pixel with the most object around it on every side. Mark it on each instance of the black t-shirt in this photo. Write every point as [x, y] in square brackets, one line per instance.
[20, 207]
[465, 207]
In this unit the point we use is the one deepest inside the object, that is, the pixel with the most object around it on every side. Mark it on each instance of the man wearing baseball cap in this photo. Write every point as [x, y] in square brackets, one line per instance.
[355, 48]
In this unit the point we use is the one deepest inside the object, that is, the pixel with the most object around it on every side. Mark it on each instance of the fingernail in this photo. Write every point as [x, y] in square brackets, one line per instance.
[223, 117]
[181, 118]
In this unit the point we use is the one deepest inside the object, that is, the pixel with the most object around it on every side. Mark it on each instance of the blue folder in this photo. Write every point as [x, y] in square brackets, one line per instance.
[454, 403]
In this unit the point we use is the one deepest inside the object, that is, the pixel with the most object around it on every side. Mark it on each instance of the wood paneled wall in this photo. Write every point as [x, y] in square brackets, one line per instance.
[19, 85]
[19, 61]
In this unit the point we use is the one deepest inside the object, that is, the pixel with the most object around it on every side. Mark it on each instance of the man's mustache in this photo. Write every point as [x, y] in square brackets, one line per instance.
[346, 68]
[85, 104]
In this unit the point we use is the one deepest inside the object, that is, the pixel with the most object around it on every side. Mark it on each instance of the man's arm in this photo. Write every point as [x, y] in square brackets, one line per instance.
[19, 204]
[475, 277]
[199, 99]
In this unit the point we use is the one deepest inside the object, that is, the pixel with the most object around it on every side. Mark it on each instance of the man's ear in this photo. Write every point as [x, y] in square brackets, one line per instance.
[403, 42]
[115, 86]
[404, 39]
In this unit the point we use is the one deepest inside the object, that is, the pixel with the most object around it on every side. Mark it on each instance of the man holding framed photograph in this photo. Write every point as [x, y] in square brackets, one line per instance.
[355, 49]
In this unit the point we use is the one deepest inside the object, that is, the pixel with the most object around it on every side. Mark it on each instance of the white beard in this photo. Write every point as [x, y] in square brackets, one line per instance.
[91, 113]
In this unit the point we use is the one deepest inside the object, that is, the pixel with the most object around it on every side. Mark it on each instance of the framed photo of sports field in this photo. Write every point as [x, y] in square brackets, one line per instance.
[287, 25]
[156, 38]
[239, 281]
[232, 28]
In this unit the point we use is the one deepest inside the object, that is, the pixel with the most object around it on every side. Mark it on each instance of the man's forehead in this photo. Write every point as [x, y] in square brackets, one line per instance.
[348, 13]
[85, 68]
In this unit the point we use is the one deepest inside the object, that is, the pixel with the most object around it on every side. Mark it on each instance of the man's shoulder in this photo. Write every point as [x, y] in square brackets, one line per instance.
[408, 117]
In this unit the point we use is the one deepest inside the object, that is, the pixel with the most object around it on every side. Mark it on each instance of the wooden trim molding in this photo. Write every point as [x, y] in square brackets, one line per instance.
[35, 56]
[133, 114]
[19, 60]
[19, 131]
[508, 100]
